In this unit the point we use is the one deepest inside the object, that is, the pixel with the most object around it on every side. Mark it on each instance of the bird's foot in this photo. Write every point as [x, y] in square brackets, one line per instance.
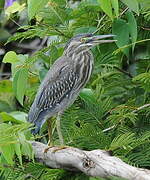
[60, 148]
[49, 147]
[56, 148]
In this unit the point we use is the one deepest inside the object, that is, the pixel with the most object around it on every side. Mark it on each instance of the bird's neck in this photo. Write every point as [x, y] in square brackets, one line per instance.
[83, 65]
[76, 53]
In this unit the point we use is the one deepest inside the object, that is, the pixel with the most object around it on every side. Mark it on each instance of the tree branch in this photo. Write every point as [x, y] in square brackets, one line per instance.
[96, 163]
[141, 107]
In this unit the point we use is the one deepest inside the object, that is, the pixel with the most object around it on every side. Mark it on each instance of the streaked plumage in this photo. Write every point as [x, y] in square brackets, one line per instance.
[63, 82]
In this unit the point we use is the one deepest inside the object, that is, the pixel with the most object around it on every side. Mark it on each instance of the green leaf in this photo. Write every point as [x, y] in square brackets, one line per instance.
[17, 149]
[26, 147]
[5, 117]
[115, 5]
[5, 86]
[87, 95]
[85, 30]
[35, 6]
[19, 116]
[10, 57]
[20, 84]
[42, 74]
[8, 153]
[106, 7]
[121, 29]
[132, 27]
[133, 5]
[5, 106]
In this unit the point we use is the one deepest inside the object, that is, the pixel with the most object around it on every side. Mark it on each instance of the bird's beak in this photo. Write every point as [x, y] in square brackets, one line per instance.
[102, 39]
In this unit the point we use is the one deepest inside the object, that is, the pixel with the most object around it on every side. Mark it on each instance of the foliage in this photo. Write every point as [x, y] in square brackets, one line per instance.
[106, 115]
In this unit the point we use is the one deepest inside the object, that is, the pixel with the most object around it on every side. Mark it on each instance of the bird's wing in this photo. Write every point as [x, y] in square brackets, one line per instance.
[53, 92]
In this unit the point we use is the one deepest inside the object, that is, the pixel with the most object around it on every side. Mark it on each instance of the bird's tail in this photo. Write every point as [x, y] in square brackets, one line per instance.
[36, 118]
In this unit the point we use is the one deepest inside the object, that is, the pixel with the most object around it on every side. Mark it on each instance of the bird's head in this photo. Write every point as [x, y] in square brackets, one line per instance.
[84, 42]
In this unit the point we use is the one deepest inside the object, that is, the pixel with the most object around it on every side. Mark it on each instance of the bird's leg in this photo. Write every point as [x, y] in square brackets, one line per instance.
[49, 124]
[50, 144]
[58, 127]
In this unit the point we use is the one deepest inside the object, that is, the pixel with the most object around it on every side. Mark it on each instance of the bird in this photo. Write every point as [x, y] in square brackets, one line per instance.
[64, 80]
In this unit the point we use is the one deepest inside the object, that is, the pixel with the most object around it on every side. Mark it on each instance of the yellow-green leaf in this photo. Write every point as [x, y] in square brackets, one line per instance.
[20, 84]
[132, 27]
[8, 153]
[106, 7]
[115, 5]
[10, 57]
[17, 149]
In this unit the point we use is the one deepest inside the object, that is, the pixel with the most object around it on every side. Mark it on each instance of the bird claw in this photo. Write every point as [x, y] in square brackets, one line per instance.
[45, 150]
[60, 148]
[56, 148]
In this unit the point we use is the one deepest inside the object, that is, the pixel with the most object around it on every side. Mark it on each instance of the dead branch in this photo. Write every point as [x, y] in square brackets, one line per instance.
[96, 163]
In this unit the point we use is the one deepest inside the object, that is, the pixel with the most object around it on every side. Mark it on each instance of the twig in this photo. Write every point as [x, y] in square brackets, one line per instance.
[33, 73]
[145, 28]
[60, 32]
[141, 107]
[120, 70]
[14, 22]
[134, 111]
[123, 71]
[108, 129]
[125, 10]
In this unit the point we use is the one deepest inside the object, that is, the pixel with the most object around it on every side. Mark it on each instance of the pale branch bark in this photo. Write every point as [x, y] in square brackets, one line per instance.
[96, 163]
[141, 107]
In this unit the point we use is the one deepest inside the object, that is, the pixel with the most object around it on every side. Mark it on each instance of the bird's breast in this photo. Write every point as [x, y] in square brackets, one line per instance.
[83, 67]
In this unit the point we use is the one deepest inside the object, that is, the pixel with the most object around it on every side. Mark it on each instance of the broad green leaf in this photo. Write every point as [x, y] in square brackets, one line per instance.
[115, 5]
[22, 61]
[15, 117]
[20, 116]
[8, 153]
[42, 74]
[132, 4]
[5, 117]
[132, 27]
[20, 84]
[121, 29]
[106, 7]
[10, 57]
[5, 106]
[26, 147]
[35, 6]
[17, 149]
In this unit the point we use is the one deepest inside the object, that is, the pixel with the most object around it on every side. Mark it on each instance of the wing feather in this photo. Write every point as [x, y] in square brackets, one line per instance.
[52, 94]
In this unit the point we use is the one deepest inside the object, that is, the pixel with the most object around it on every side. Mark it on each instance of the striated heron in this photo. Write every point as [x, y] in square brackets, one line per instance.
[63, 82]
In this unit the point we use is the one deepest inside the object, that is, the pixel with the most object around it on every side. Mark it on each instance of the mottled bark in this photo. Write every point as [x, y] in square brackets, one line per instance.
[97, 163]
